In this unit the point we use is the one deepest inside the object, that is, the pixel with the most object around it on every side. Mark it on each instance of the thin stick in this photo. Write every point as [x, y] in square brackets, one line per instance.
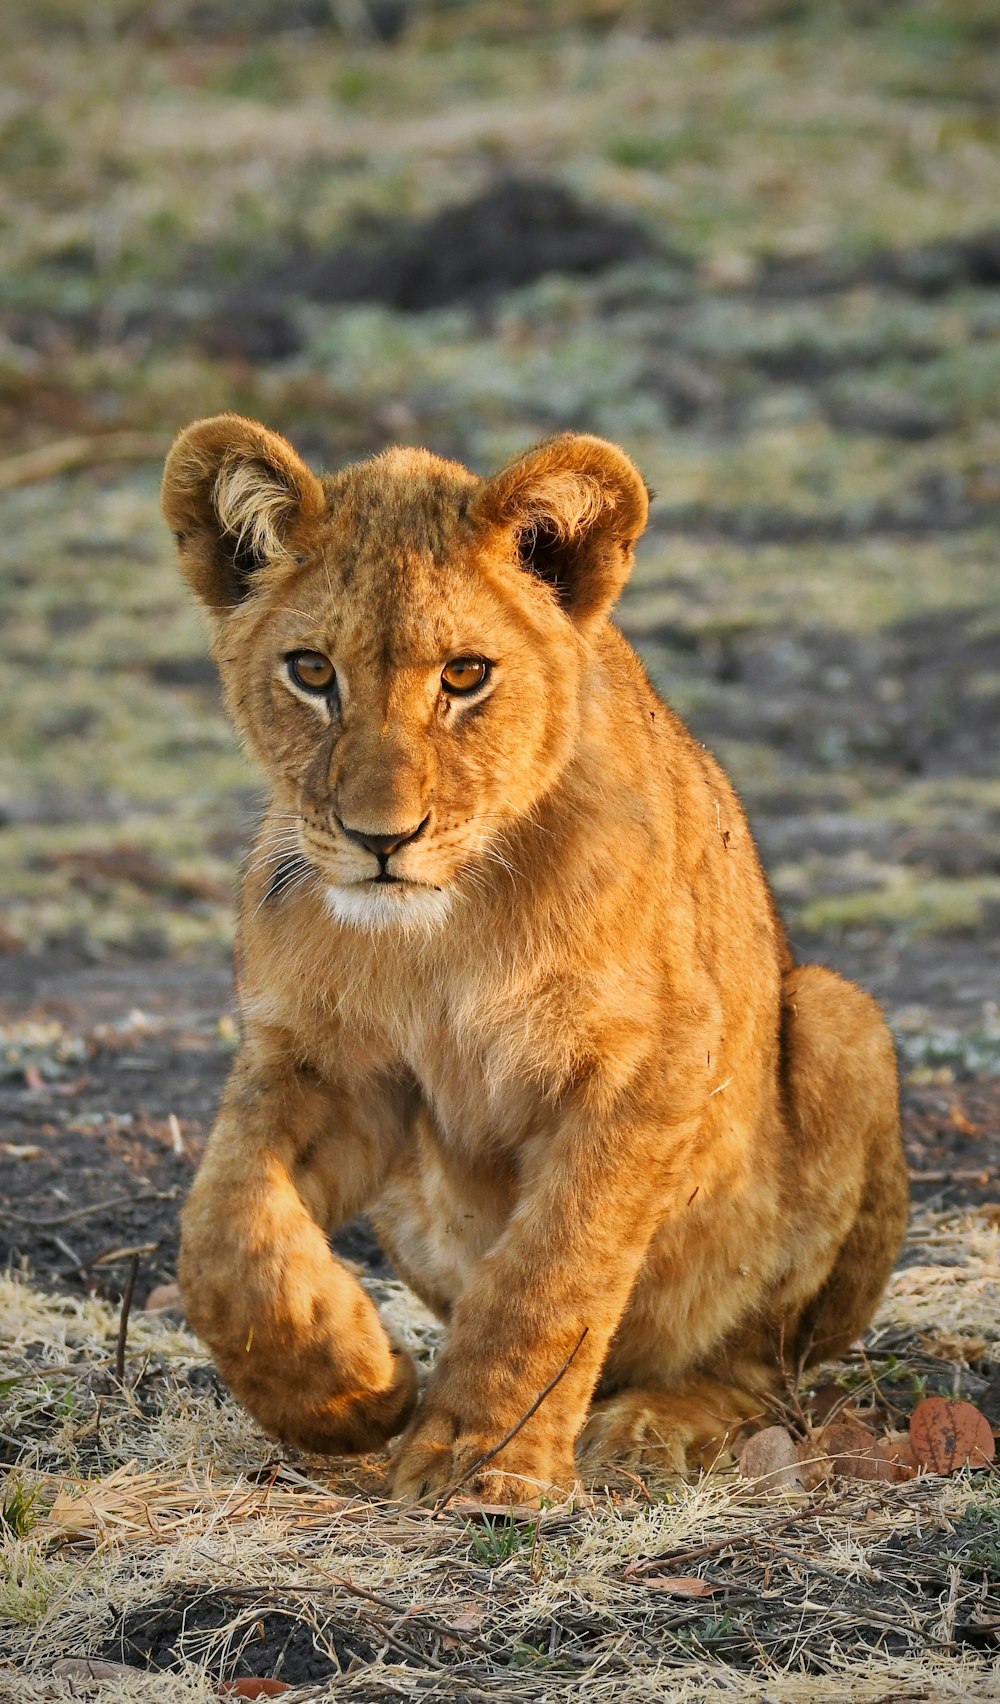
[875, 1618]
[66, 454]
[115, 1255]
[77, 1264]
[391, 1637]
[803, 1561]
[123, 1321]
[441, 1628]
[46, 1221]
[961, 1174]
[749, 1536]
[446, 1496]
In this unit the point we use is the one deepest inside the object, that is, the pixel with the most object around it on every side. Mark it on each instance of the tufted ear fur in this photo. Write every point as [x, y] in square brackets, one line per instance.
[236, 497]
[576, 506]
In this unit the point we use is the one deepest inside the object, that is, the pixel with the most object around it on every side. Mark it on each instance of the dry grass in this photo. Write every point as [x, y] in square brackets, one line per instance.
[162, 1493]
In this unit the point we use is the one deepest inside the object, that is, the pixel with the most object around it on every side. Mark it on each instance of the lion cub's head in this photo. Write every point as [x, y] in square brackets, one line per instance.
[403, 645]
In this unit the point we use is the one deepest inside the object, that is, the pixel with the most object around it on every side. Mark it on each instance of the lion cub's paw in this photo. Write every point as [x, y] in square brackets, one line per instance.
[630, 1434]
[653, 1430]
[289, 1409]
[438, 1456]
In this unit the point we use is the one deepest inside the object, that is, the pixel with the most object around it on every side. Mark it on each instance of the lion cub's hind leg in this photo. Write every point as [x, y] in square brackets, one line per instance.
[849, 1166]
[845, 1193]
[845, 1185]
[676, 1431]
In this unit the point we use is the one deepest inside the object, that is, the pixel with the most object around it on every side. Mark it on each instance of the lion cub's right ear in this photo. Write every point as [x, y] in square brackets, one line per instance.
[237, 498]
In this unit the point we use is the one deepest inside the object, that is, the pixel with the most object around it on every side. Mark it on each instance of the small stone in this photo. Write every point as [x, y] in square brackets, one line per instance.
[166, 1298]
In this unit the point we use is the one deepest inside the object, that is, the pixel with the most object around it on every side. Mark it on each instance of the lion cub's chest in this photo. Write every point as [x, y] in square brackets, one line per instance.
[471, 1081]
[480, 1077]
[452, 1184]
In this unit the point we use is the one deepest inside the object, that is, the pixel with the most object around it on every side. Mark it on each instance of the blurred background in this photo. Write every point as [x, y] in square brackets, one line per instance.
[755, 241]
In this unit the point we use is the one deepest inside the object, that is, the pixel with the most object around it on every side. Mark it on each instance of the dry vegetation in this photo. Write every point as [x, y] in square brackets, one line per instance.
[149, 1522]
[779, 286]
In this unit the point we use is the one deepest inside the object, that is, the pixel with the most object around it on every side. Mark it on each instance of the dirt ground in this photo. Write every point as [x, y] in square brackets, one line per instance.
[101, 1148]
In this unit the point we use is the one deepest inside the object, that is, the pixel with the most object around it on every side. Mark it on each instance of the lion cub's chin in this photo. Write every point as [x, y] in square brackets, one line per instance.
[408, 909]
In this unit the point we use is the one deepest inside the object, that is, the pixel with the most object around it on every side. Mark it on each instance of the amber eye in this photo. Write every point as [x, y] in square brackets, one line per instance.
[312, 670]
[464, 674]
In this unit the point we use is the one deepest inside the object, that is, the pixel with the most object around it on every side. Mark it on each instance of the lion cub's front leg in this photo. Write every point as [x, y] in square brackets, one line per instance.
[292, 1332]
[552, 1289]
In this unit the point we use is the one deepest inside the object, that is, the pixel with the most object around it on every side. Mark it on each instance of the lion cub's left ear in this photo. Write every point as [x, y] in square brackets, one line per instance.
[576, 506]
[237, 498]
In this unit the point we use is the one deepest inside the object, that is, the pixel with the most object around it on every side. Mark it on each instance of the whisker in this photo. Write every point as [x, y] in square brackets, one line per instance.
[268, 863]
[272, 853]
[286, 835]
[295, 879]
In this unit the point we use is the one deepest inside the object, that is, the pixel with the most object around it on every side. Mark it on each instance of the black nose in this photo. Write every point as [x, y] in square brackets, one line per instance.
[383, 845]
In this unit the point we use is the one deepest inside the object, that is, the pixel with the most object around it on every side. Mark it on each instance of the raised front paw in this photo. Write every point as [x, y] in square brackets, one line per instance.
[295, 1404]
[439, 1454]
[296, 1339]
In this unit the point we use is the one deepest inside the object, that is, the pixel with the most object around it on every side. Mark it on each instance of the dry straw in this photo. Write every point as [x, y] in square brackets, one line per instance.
[159, 1491]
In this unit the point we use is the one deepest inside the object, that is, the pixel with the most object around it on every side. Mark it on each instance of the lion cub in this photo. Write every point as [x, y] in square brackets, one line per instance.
[512, 981]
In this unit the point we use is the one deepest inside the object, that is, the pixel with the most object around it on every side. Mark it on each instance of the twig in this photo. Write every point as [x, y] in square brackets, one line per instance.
[874, 1618]
[958, 1174]
[115, 1255]
[77, 1264]
[806, 1561]
[66, 454]
[886, 1401]
[446, 1496]
[535, 1563]
[46, 1221]
[441, 1628]
[392, 1638]
[793, 1382]
[20, 1444]
[123, 1321]
[112, 1256]
[749, 1535]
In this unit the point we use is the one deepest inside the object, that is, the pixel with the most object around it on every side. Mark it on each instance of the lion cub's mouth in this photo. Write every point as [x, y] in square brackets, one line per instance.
[377, 903]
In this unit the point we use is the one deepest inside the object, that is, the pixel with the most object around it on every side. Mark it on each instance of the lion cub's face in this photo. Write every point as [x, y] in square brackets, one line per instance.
[402, 644]
[406, 696]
